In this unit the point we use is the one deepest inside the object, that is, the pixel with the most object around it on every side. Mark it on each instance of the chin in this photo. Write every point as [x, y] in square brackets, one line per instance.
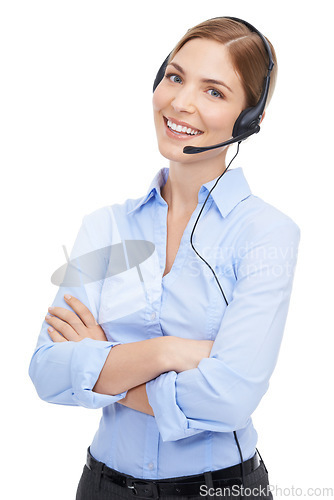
[176, 154]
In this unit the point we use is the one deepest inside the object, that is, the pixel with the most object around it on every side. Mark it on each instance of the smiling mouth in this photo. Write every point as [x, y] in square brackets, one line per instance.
[181, 130]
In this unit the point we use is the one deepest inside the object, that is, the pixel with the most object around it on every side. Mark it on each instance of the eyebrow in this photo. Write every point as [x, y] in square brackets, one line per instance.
[205, 80]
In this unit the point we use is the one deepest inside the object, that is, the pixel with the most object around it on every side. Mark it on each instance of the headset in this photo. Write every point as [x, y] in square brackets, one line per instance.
[247, 124]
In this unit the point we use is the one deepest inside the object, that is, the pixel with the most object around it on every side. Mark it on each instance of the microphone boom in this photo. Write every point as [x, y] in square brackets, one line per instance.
[191, 150]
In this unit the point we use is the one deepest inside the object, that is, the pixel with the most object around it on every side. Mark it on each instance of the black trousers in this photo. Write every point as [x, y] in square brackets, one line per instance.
[94, 485]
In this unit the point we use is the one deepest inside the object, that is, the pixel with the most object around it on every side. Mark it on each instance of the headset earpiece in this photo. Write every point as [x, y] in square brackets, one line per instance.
[250, 118]
[245, 123]
[161, 73]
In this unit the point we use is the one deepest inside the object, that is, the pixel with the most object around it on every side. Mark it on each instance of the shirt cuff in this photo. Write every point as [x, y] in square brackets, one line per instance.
[88, 360]
[171, 421]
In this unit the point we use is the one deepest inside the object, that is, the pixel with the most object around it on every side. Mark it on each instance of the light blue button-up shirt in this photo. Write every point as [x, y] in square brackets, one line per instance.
[253, 248]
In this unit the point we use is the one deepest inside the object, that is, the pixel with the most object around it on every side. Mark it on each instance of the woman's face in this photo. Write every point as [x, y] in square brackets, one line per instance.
[197, 101]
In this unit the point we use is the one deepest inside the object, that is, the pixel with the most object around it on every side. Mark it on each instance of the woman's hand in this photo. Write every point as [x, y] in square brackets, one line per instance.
[66, 325]
[185, 354]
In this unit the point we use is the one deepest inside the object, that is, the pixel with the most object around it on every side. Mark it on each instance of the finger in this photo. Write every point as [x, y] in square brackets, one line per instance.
[81, 310]
[55, 336]
[68, 317]
[62, 327]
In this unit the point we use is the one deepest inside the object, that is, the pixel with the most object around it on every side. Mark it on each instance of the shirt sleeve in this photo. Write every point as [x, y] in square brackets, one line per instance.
[66, 372]
[223, 391]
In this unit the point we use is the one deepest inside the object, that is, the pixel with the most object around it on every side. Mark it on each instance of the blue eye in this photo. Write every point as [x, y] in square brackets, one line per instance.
[174, 78]
[215, 93]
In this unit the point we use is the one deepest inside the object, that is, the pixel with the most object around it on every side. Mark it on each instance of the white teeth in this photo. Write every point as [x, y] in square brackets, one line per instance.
[179, 128]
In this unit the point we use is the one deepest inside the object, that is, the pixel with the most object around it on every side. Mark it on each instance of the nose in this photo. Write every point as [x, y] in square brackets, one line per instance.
[184, 100]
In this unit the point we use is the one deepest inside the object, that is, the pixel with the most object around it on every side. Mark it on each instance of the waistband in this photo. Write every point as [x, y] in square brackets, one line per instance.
[176, 486]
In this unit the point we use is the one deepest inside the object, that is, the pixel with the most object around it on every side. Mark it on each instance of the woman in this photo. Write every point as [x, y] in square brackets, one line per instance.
[175, 332]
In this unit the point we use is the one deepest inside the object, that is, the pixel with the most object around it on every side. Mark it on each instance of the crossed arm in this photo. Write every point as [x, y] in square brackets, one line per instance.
[128, 366]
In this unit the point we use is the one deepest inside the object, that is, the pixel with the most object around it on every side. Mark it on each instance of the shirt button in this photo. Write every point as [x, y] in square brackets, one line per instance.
[151, 465]
[153, 316]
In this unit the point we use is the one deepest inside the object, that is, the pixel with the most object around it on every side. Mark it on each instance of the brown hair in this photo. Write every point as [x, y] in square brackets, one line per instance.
[248, 53]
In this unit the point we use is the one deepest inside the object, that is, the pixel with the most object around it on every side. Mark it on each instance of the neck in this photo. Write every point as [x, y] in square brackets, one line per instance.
[184, 182]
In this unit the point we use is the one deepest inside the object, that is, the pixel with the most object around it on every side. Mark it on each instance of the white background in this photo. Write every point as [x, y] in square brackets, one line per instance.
[77, 134]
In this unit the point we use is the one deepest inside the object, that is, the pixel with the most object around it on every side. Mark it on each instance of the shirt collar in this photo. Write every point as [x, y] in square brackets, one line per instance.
[154, 190]
[230, 190]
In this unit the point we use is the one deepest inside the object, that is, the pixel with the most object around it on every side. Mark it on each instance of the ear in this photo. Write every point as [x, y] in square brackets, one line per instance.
[263, 115]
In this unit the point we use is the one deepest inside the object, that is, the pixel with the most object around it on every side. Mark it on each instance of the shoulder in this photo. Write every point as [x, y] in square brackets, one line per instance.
[265, 214]
[103, 223]
[261, 221]
[105, 216]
